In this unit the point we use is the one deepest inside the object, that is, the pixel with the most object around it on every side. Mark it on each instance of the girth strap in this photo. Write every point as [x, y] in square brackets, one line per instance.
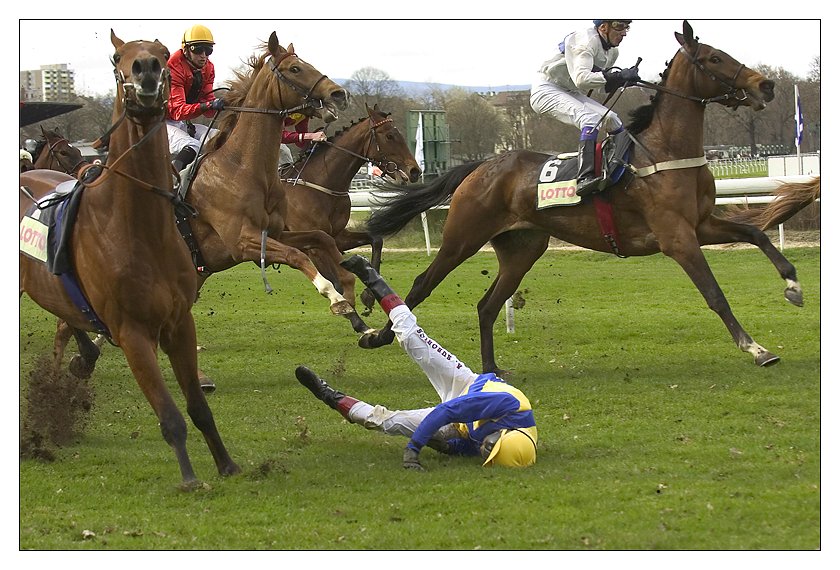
[669, 165]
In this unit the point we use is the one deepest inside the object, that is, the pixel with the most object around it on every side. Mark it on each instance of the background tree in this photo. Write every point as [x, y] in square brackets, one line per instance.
[476, 127]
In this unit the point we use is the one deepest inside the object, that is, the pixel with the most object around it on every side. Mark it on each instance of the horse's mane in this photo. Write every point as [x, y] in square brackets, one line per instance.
[39, 148]
[641, 117]
[332, 138]
[234, 96]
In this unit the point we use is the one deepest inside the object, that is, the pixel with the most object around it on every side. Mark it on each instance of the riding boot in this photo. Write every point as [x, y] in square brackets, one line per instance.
[324, 392]
[383, 293]
[184, 157]
[587, 182]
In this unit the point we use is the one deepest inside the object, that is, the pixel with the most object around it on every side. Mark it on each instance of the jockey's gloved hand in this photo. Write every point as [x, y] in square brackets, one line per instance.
[411, 459]
[616, 79]
[214, 105]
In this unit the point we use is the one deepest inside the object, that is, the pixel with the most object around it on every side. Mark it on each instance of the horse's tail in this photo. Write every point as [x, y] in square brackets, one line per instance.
[790, 198]
[401, 203]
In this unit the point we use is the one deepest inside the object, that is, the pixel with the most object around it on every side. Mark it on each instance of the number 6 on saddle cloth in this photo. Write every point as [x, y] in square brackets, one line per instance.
[557, 184]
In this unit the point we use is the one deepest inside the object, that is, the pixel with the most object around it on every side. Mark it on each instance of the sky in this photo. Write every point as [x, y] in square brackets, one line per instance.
[460, 52]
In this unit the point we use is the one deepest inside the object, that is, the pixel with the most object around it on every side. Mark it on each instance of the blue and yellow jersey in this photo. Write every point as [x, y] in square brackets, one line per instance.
[488, 405]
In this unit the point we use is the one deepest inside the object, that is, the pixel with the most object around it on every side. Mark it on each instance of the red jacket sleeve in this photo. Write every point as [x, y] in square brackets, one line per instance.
[181, 81]
[296, 137]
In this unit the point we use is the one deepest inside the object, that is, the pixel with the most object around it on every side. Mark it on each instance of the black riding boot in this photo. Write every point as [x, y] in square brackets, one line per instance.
[184, 157]
[372, 280]
[587, 182]
[319, 387]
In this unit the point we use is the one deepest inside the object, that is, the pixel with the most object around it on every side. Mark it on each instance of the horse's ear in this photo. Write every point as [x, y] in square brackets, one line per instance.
[686, 38]
[43, 132]
[291, 48]
[115, 41]
[273, 44]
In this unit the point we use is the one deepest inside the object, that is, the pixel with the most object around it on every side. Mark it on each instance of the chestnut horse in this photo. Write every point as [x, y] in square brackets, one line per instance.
[239, 197]
[317, 187]
[669, 211]
[56, 153]
[129, 263]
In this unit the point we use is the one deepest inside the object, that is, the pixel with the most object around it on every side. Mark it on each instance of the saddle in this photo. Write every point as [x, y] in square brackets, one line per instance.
[557, 180]
[54, 216]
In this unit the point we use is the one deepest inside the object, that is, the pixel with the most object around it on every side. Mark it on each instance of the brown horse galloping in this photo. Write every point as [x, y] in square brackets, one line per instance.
[318, 189]
[669, 211]
[237, 192]
[128, 258]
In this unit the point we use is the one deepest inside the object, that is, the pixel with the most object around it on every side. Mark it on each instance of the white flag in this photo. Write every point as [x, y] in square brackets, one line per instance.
[418, 139]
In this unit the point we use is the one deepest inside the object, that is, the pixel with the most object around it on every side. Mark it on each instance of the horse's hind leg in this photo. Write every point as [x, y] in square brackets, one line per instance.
[83, 364]
[717, 231]
[63, 332]
[179, 344]
[517, 252]
[681, 245]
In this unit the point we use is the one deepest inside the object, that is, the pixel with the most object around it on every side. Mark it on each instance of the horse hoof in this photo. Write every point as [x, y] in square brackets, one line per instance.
[375, 340]
[342, 308]
[80, 368]
[767, 359]
[230, 469]
[794, 296]
[207, 386]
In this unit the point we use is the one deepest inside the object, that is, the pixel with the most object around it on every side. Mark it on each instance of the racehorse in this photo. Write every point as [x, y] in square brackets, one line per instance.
[54, 152]
[130, 274]
[668, 211]
[317, 187]
[237, 192]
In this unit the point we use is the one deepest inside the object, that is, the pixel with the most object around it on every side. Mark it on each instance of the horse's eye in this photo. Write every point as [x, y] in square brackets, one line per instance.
[715, 59]
[389, 136]
[116, 58]
[294, 69]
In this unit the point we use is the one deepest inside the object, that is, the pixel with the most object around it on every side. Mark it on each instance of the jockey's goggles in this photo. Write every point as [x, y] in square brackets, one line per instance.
[206, 49]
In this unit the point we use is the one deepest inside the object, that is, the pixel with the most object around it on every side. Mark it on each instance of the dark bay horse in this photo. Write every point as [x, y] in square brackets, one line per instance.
[129, 261]
[54, 152]
[669, 211]
[317, 187]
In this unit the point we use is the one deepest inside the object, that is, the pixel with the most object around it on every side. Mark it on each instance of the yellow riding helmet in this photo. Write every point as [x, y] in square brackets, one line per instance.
[513, 448]
[197, 34]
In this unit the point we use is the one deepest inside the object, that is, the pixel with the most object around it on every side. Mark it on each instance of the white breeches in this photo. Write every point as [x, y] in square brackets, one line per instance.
[571, 108]
[179, 138]
[449, 376]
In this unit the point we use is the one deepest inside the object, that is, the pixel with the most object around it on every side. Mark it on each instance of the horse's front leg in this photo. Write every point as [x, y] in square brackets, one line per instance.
[717, 231]
[249, 248]
[680, 243]
[179, 344]
[323, 251]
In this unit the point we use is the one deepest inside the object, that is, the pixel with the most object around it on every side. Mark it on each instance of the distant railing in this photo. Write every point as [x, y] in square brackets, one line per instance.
[726, 167]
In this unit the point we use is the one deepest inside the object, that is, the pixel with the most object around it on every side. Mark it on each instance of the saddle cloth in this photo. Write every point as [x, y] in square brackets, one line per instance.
[557, 179]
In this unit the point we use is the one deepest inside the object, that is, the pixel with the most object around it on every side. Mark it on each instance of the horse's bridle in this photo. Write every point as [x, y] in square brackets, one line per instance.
[57, 159]
[99, 172]
[729, 83]
[306, 94]
[387, 166]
